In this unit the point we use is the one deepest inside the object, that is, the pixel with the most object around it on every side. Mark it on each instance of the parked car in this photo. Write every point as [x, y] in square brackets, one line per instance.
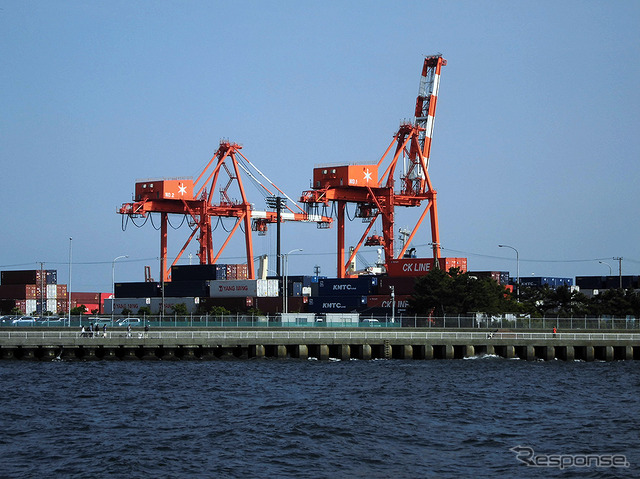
[129, 321]
[50, 319]
[24, 320]
[370, 322]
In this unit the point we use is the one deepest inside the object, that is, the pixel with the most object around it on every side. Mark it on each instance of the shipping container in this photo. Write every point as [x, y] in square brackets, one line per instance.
[296, 290]
[345, 175]
[33, 276]
[500, 277]
[172, 189]
[274, 305]
[61, 291]
[84, 297]
[52, 291]
[236, 272]
[362, 285]
[52, 305]
[336, 304]
[613, 282]
[305, 280]
[52, 276]
[144, 289]
[384, 302]
[401, 284]
[234, 305]
[591, 282]
[62, 306]
[27, 306]
[18, 291]
[422, 266]
[118, 305]
[246, 287]
[154, 304]
[198, 272]
[196, 288]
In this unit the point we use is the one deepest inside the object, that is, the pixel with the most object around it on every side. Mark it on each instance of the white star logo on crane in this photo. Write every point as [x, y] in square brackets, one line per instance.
[183, 189]
[367, 175]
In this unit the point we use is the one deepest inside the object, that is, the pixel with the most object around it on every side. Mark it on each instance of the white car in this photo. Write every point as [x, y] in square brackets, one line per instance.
[128, 321]
[24, 320]
[370, 322]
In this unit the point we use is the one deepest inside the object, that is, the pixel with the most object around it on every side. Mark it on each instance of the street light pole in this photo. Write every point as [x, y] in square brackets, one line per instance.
[285, 286]
[69, 285]
[113, 282]
[602, 262]
[517, 268]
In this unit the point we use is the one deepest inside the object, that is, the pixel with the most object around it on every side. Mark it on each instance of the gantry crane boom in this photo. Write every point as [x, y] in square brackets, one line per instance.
[374, 193]
[175, 196]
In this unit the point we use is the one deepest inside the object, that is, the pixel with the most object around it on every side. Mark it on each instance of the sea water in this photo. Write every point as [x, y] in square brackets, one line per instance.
[316, 419]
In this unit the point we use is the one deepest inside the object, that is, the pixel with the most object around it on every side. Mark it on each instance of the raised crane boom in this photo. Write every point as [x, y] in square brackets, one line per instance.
[372, 188]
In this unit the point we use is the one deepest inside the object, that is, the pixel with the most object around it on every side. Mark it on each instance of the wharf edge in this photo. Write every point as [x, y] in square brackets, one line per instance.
[299, 343]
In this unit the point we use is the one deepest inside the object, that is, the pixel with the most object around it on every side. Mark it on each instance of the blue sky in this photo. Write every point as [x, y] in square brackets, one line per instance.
[536, 139]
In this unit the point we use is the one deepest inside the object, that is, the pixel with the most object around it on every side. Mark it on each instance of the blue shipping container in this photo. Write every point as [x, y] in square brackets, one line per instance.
[336, 304]
[363, 286]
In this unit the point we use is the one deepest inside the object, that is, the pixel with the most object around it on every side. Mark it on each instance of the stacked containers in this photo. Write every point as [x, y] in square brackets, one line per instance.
[339, 295]
[31, 290]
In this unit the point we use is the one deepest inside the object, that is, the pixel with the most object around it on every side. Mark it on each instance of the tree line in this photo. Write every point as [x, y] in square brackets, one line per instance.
[442, 293]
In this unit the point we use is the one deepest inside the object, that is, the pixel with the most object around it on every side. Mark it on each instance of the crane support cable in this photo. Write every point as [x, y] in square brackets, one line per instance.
[272, 184]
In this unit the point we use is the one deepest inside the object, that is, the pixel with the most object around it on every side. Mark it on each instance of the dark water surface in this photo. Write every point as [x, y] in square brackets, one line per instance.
[291, 418]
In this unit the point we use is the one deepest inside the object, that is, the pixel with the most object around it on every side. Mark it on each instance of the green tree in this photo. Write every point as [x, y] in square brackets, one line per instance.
[180, 309]
[78, 310]
[439, 293]
[219, 311]
[615, 302]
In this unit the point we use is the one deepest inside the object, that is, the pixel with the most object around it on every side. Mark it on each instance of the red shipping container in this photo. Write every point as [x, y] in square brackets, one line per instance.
[384, 302]
[83, 298]
[61, 291]
[401, 285]
[422, 266]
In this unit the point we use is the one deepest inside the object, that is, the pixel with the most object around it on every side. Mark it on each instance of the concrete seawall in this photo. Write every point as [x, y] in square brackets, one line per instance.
[323, 344]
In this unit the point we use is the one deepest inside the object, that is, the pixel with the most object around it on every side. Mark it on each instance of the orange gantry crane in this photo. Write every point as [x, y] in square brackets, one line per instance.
[176, 196]
[373, 193]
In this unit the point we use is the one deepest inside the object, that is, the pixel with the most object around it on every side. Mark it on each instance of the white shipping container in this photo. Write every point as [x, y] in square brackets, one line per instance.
[118, 304]
[259, 288]
[273, 288]
[31, 306]
[190, 303]
[52, 293]
[155, 304]
[52, 305]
